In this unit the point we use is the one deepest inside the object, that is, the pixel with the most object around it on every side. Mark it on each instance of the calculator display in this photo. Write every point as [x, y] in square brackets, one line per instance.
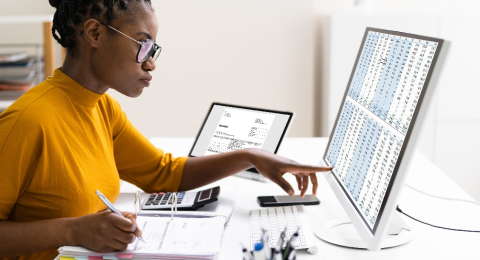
[204, 195]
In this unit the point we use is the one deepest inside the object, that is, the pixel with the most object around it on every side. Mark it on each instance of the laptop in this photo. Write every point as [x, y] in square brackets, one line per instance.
[229, 128]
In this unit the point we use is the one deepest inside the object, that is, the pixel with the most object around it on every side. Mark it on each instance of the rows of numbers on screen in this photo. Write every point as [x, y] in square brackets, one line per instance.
[390, 75]
[363, 153]
[380, 103]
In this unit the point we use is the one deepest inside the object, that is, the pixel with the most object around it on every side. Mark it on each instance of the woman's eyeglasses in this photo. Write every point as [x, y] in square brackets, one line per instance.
[146, 50]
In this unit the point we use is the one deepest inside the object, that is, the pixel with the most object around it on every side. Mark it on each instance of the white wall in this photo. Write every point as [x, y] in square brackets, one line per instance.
[253, 53]
[247, 52]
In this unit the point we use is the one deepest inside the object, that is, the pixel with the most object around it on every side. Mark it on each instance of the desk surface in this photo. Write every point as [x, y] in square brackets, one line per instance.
[428, 243]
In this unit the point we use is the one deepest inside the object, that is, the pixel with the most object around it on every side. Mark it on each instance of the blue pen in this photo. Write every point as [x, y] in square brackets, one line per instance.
[112, 208]
[258, 253]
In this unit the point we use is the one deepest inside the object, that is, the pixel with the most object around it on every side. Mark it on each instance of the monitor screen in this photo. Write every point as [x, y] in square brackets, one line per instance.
[367, 143]
[229, 128]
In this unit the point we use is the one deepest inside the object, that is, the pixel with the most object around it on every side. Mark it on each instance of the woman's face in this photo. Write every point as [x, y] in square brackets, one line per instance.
[116, 59]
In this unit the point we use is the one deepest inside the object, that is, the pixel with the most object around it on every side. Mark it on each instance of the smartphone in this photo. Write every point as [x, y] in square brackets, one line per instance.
[277, 201]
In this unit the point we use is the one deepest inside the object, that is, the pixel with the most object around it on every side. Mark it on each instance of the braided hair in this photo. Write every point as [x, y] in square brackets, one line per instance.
[70, 13]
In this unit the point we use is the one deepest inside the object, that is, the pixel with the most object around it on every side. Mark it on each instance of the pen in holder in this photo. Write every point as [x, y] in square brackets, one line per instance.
[262, 251]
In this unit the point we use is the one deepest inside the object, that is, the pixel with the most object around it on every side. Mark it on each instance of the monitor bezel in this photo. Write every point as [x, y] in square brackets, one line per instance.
[405, 152]
[284, 133]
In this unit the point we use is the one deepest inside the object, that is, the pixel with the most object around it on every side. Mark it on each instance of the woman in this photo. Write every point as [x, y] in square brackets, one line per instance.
[66, 138]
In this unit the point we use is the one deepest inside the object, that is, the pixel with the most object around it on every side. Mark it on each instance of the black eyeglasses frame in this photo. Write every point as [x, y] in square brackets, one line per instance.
[154, 51]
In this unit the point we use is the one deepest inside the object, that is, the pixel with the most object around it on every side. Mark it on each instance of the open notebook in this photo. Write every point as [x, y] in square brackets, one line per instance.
[192, 237]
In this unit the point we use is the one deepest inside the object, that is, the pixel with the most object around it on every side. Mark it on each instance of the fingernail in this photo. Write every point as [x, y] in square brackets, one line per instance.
[290, 192]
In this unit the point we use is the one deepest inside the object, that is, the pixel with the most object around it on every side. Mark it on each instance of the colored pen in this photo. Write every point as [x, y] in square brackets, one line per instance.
[112, 208]
[292, 254]
[290, 247]
[258, 253]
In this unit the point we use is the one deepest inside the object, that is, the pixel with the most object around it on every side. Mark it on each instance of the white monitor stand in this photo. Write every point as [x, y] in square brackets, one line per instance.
[340, 231]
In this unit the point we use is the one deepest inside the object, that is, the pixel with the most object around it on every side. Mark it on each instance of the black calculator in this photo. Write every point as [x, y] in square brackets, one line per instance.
[186, 200]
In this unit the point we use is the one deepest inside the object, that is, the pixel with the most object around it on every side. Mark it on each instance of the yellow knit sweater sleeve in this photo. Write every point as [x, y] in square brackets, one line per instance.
[138, 161]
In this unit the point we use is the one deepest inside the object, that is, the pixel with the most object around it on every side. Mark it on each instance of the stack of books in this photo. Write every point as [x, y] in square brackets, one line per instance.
[17, 71]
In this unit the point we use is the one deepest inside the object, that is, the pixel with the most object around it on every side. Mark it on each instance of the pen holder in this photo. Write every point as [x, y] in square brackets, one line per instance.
[284, 255]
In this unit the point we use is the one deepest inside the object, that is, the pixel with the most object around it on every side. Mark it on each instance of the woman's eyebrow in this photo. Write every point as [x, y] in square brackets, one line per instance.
[146, 35]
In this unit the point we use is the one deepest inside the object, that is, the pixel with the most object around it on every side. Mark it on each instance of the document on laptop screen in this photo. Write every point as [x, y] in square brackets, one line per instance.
[230, 128]
[240, 129]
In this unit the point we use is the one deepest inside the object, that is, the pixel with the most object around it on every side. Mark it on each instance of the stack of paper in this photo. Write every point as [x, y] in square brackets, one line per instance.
[17, 71]
[180, 238]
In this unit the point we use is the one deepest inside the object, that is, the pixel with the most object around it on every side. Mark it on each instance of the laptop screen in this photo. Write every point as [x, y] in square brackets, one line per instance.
[229, 128]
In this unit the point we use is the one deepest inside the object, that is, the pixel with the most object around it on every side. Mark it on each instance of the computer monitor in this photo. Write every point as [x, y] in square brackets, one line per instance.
[376, 128]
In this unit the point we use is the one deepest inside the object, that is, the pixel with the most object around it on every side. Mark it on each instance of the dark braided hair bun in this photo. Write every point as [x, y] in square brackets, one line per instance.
[55, 3]
[71, 13]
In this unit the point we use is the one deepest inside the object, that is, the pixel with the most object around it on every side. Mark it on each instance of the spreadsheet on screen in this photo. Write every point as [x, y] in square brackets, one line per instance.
[375, 117]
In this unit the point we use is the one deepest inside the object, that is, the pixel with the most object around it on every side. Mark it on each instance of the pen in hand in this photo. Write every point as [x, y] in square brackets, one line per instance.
[112, 208]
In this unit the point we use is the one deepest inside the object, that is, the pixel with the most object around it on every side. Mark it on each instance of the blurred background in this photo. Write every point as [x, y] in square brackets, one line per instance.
[292, 55]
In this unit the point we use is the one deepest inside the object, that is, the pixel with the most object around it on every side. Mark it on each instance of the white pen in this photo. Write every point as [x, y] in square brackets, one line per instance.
[112, 208]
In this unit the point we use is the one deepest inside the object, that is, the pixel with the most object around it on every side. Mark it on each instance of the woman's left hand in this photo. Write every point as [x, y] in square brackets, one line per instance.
[274, 167]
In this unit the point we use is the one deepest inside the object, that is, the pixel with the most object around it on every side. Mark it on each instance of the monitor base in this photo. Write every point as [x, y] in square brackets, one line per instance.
[341, 232]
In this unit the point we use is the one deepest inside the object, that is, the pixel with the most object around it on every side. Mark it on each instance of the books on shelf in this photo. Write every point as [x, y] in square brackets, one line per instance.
[18, 78]
[24, 87]
[20, 69]
[165, 238]
[27, 62]
[13, 57]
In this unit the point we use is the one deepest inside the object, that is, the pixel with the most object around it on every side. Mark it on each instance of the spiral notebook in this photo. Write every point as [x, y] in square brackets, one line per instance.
[165, 238]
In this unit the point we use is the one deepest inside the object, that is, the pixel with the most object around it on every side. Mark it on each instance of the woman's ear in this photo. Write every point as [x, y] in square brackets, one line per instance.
[92, 31]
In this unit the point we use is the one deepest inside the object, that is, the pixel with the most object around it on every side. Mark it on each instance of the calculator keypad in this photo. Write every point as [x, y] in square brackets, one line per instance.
[164, 198]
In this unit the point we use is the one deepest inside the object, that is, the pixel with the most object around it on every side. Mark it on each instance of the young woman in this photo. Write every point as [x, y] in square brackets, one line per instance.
[66, 138]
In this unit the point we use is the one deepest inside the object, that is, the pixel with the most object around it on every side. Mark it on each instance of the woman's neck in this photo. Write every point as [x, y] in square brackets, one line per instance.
[79, 69]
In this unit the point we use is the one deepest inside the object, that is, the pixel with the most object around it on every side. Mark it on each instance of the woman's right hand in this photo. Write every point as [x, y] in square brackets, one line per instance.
[105, 231]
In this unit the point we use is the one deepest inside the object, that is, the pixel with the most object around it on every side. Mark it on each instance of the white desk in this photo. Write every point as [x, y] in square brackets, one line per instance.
[429, 243]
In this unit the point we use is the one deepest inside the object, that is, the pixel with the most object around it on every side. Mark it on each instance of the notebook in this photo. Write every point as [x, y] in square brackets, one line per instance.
[165, 238]
[228, 128]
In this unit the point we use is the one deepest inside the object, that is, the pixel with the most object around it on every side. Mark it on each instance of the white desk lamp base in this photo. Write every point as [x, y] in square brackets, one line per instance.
[340, 231]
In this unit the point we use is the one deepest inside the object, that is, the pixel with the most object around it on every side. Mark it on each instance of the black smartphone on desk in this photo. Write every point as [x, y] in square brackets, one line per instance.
[277, 201]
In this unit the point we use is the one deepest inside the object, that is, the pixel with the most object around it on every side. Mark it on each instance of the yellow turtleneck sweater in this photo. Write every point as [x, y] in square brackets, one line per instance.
[59, 142]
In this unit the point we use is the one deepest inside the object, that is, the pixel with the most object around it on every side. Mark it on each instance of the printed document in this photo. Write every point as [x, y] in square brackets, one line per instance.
[240, 129]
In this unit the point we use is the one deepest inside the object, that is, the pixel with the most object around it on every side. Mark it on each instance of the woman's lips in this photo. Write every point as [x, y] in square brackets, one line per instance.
[146, 80]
